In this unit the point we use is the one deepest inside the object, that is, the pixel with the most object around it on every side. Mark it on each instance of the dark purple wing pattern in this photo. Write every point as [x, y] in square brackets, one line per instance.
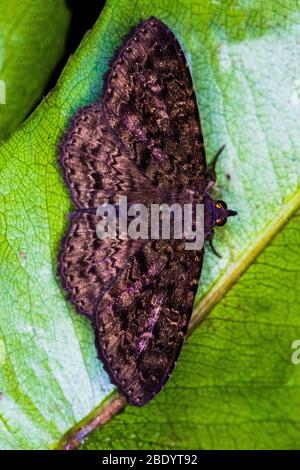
[141, 322]
[87, 265]
[150, 103]
[95, 164]
[143, 140]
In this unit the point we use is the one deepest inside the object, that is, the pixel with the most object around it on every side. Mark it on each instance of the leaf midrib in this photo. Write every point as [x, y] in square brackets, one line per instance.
[241, 264]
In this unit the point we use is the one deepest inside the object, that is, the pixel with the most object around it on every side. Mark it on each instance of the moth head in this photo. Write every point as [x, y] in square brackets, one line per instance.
[221, 212]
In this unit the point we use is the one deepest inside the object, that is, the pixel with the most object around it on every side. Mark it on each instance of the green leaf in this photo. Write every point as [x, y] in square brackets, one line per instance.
[235, 386]
[32, 37]
[245, 64]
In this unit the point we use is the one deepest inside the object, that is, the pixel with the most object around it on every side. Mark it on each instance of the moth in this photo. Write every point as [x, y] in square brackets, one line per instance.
[142, 138]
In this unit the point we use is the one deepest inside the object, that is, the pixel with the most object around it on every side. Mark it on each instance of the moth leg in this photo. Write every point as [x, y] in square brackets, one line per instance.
[209, 238]
[211, 171]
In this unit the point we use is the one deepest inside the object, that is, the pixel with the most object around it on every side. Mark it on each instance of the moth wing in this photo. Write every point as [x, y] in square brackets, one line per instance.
[87, 265]
[141, 322]
[150, 103]
[95, 164]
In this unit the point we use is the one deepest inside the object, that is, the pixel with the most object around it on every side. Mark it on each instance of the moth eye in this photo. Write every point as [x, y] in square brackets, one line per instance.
[221, 222]
[220, 205]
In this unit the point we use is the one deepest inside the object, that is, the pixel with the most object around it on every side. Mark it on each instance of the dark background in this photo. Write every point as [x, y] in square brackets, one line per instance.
[84, 15]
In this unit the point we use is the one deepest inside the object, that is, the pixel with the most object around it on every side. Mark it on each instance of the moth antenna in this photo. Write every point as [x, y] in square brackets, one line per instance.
[211, 172]
[216, 157]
